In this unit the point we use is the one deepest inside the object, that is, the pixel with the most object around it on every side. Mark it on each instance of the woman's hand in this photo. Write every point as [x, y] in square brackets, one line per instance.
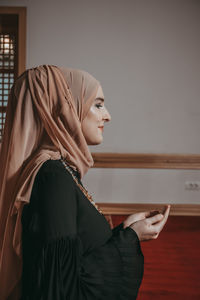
[139, 216]
[148, 228]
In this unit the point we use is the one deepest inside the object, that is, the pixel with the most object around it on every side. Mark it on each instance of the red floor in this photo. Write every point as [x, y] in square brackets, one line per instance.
[172, 262]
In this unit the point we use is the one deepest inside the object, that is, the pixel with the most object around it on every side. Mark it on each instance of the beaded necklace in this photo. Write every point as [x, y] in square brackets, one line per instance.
[85, 192]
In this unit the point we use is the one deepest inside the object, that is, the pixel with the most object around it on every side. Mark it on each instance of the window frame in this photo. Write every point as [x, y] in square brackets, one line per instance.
[21, 12]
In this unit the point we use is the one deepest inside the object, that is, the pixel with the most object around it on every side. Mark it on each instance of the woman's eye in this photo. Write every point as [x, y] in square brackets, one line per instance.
[98, 105]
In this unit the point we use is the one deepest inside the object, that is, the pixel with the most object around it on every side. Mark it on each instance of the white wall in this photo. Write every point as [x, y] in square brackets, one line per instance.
[142, 186]
[146, 54]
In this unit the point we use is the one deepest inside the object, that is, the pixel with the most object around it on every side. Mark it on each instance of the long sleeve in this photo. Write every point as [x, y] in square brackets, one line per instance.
[58, 204]
[128, 244]
[117, 228]
[57, 248]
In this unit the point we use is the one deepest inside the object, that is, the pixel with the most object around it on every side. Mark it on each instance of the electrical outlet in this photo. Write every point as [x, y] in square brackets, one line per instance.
[192, 185]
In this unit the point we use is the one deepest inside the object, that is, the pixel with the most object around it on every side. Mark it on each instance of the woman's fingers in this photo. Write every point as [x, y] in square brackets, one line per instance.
[134, 218]
[160, 225]
[139, 216]
[166, 214]
[167, 210]
[151, 213]
[156, 216]
[155, 219]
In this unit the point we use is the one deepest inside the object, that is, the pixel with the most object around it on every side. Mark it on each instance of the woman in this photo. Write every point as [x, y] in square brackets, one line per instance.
[54, 243]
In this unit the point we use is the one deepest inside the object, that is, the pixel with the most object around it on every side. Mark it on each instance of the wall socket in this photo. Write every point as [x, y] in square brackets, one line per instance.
[192, 185]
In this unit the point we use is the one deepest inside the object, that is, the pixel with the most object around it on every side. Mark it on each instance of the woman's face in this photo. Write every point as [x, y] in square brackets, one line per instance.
[93, 124]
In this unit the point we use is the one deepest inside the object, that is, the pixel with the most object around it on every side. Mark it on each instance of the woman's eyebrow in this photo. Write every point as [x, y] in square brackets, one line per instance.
[101, 99]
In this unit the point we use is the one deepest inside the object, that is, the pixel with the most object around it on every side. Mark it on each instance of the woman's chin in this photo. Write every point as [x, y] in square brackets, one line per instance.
[95, 142]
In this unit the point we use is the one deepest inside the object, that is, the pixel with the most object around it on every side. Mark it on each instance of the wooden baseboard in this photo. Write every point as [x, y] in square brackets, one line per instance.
[127, 209]
[146, 161]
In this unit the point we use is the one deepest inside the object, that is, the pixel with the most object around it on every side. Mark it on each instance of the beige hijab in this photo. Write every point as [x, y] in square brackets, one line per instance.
[45, 110]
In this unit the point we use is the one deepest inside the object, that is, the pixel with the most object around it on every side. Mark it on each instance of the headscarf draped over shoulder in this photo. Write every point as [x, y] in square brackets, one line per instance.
[45, 111]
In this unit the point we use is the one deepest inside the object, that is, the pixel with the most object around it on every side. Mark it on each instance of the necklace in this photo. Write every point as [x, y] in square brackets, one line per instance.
[85, 192]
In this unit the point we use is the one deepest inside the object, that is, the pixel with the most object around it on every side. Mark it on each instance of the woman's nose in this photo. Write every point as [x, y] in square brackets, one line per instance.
[107, 116]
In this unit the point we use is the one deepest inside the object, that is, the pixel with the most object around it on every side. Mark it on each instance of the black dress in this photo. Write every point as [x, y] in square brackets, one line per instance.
[69, 249]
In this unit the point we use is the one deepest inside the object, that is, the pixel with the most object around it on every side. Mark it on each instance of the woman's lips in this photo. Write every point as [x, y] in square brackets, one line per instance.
[101, 128]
